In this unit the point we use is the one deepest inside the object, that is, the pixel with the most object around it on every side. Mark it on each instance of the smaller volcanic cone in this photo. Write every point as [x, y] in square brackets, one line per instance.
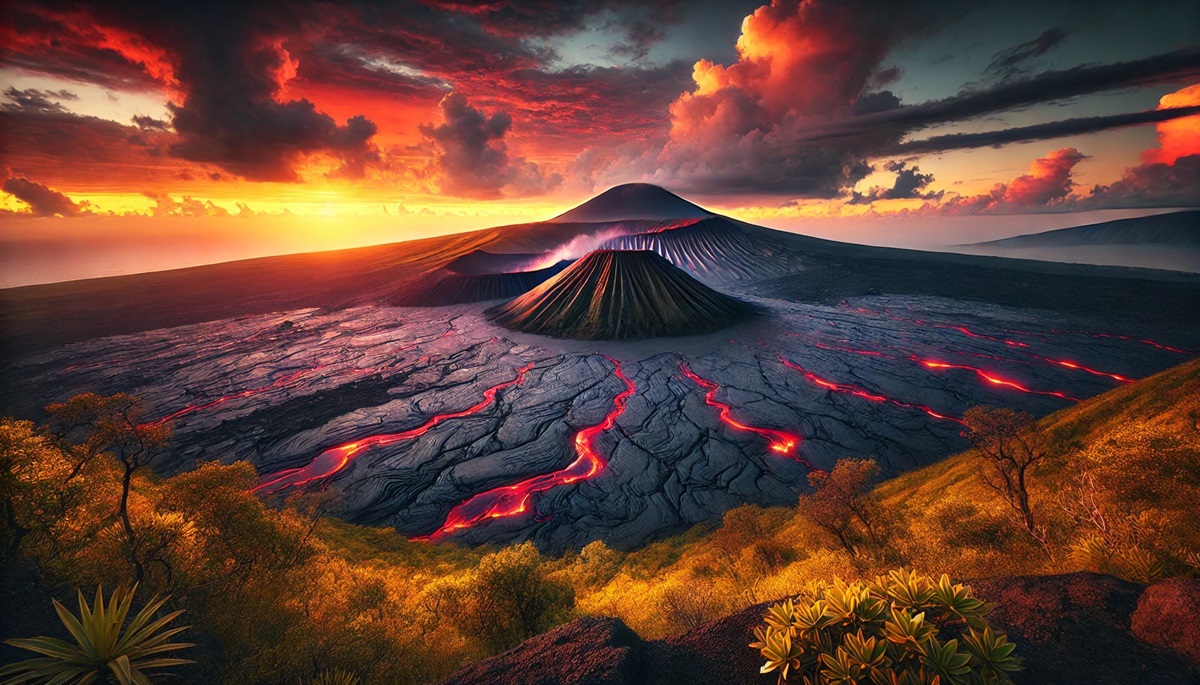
[623, 295]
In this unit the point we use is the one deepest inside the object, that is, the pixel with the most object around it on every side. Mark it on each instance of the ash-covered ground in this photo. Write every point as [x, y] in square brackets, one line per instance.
[436, 422]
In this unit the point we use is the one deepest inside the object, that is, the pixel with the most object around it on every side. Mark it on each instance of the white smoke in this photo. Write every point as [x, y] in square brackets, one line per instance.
[577, 247]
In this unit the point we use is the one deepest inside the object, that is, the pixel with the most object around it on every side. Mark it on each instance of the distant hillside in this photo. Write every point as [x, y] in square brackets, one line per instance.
[1163, 241]
[1180, 229]
[634, 201]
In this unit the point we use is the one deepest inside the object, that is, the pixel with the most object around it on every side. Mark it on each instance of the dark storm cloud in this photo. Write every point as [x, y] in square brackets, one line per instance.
[42, 201]
[34, 100]
[910, 184]
[473, 158]
[1013, 62]
[148, 123]
[1178, 66]
[1053, 129]
[51, 144]
[228, 63]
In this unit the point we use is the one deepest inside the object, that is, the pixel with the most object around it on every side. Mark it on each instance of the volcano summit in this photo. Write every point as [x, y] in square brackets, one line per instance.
[621, 295]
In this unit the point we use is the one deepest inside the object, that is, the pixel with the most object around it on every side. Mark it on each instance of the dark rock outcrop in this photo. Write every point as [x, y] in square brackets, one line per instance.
[587, 651]
[1075, 628]
[1068, 629]
[1168, 616]
[621, 295]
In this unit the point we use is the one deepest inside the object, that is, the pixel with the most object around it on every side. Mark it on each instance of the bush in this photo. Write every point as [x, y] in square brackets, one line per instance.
[509, 598]
[888, 632]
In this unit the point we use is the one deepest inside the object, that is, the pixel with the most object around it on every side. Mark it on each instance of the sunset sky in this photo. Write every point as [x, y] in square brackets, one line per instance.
[142, 135]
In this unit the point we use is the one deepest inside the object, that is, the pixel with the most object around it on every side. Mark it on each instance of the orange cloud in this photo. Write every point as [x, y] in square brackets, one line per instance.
[1178, 137]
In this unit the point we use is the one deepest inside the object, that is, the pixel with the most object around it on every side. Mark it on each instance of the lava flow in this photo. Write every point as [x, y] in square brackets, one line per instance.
[930, 364]
[777, 441]
[334, 459]
[856, 391]
[515, 499]
[1127, 338]
[278, 383]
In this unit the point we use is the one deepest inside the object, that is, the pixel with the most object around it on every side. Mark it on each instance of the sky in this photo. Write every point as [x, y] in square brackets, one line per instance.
[136, 136]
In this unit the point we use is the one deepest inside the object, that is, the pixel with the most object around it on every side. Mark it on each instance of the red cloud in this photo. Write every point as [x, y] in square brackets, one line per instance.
[1047, 184]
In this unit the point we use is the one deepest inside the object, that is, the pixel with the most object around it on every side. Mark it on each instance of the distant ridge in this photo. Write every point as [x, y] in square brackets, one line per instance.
[446, 288]
[484, 262]
[633, 201]
[621, 295]
[1180, 229]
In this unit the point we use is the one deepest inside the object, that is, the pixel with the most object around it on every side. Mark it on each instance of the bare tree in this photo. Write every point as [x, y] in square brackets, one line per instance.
[1009, 443]
[843, 504]
[113, 425]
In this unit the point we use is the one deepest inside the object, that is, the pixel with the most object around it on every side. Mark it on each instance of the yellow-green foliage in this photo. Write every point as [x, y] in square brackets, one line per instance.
[288, 595]
[901, 628]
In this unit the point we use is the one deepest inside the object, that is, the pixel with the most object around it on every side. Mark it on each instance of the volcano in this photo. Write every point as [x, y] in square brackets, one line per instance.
[634, 201]
[623, 295]
[716, 249]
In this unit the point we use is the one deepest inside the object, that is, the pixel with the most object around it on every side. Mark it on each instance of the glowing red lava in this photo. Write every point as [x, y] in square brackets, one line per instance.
[278, 383]
[515, 499]
[994, 380]
[777, 441]
[1127, 338]
[1049, 360]
[334, 459]
[856, 391]
[1080, 367]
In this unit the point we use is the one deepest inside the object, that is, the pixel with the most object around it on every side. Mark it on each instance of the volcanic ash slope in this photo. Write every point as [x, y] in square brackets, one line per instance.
[622, 295]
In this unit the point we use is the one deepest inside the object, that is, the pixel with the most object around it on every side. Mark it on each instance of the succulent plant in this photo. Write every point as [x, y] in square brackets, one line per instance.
[900, 629]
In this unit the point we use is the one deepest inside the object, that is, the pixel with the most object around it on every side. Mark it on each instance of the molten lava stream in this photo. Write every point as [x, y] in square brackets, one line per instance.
[777, 441]
[515, 499]
[856, 391]
[278, 383]
[990, 378]
[1127, 338]
[334, 459]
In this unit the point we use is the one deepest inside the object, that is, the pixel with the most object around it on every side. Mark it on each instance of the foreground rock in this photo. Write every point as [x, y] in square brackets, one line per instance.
[1168, 616]
[1069, 629]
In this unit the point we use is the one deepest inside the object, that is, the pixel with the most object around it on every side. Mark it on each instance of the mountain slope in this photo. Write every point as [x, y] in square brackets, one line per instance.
[621, 295]
[634, 201]
[1180, 229]
[447, 287]
[716, 249]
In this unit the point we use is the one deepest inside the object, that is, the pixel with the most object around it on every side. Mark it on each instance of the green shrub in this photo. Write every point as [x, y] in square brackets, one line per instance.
[901, 629]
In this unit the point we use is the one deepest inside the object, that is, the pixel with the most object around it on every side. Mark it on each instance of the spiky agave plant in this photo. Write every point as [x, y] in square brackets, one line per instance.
[336, 677]
[103, 652]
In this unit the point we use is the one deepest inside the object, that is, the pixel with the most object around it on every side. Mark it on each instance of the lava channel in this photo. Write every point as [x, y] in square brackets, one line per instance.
[856, 391]
[1126, 338]
[278, 383]
[331, 461]
[777, 441]
[515, 499]
[992, 379]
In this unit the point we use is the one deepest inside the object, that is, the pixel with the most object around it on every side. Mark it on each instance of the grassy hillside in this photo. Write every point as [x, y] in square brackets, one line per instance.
[282, 594]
